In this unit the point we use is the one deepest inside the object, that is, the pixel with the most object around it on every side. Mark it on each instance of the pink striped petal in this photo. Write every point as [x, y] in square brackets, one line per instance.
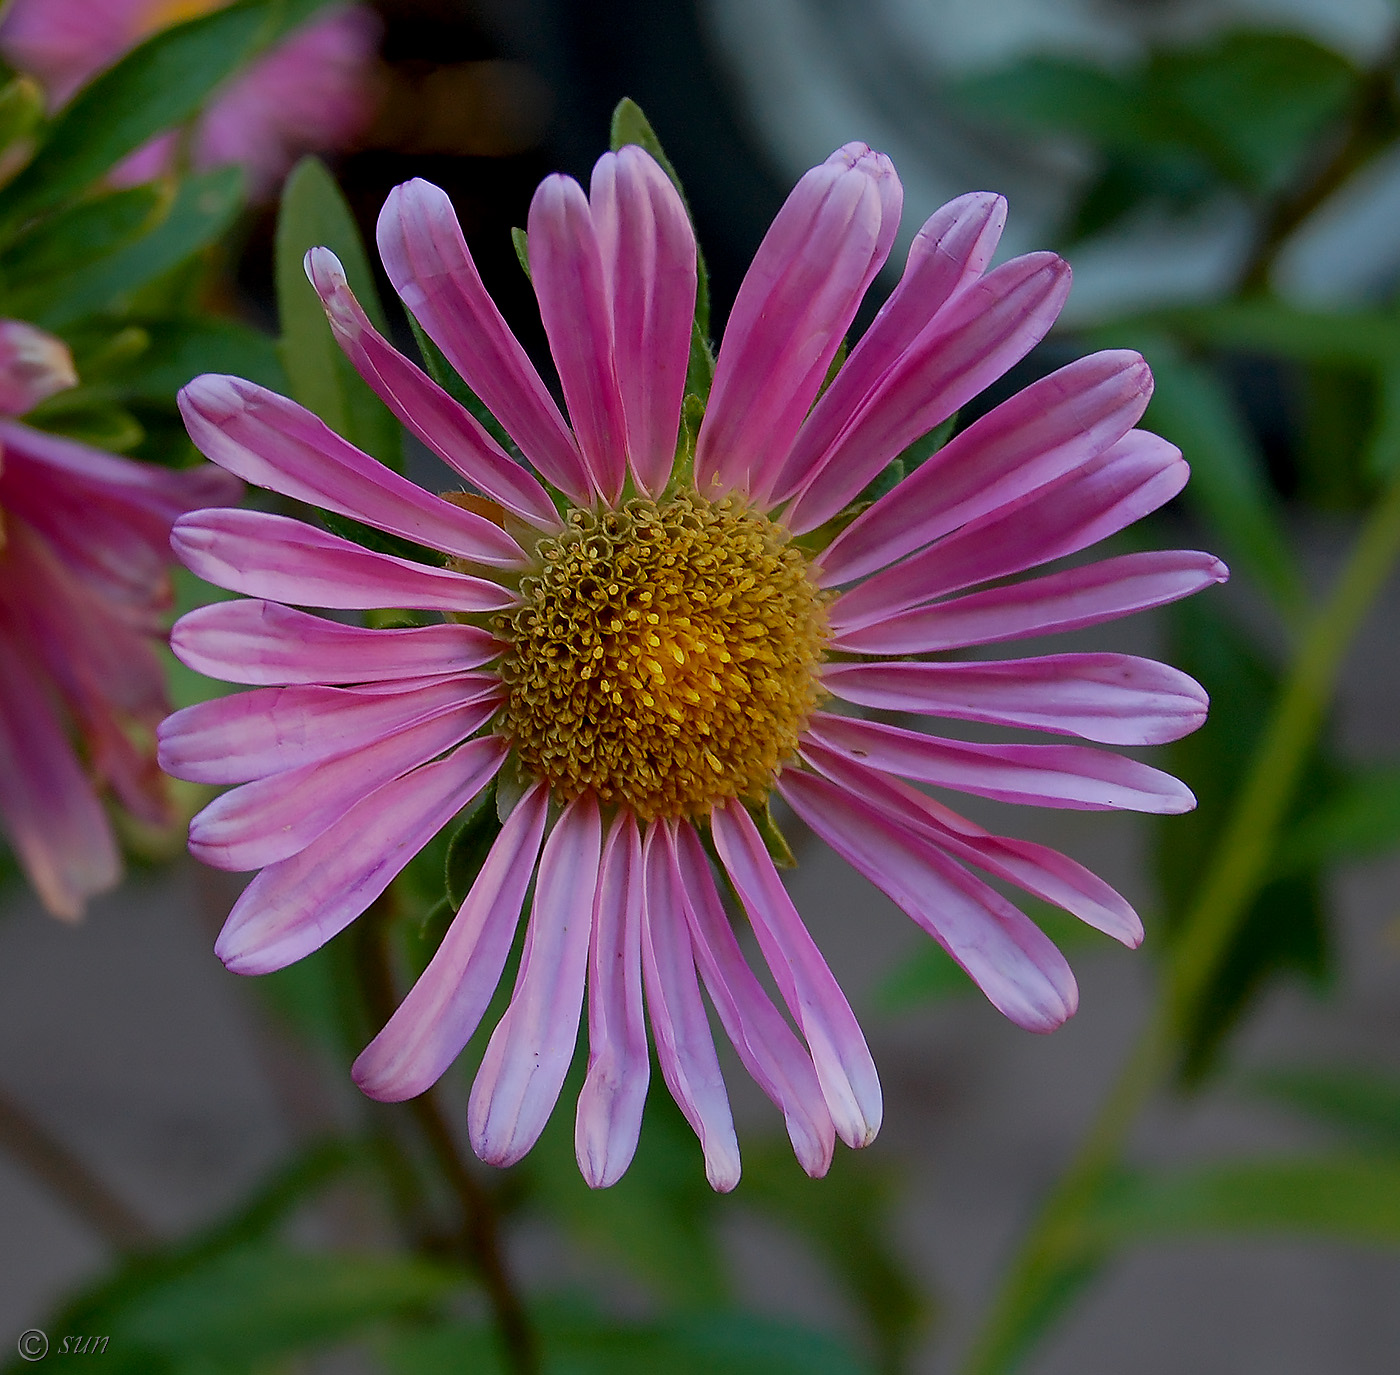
[776, 1059]
[530, 1050]
[427, 260]
[272, 818]
[142, 489]
[609, 1118]
[1044, 431]
[1070, 600]
[296, 905]
[1070, 776]
[255, 734]
[989, 328]
[952, 249]
[685, 1049]
[796, 302]
[274, 443]
[566, 266]
[1116, 699]
[444, 425]
[843, 1064]
[648, 254]
[1005, 953]
[289, 561]
[444, 1008]
[1045, 873]
[51, 814]
[1134, 477]
[254, 641]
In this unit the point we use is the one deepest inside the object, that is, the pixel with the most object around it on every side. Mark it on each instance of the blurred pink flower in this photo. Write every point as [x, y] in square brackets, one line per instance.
[311, 93]
[645, 668]
[84, 545]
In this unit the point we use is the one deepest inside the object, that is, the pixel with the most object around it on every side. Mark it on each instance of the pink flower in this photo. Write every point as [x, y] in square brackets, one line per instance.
[84, 544]
[311, 93]
[640, 651]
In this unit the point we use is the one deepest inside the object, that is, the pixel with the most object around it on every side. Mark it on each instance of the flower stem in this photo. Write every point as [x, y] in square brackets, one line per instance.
[69, 1179]
[1238, 869]
[480, 1234]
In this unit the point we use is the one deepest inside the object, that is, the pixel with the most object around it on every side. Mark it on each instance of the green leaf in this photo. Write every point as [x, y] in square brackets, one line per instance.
[1364, 339]
[262, 1302]
[202, 210]
[1357, 819]
[1253, 102]
[774, 841]
[630, 125]
[21, 112]
[178, 350]
[1362, 1102]
[314, 214]
[1338, 1198]
[157, 86]
[470, 844]
[1229, 485]
[577, 1343]
[39, 263]
[1056, 95]
[847, 1218]
[83, 414]
[288, 1187]
[521, 243]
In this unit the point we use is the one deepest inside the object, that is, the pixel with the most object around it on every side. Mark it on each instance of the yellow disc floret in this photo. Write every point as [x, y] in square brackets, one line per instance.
[664, 656]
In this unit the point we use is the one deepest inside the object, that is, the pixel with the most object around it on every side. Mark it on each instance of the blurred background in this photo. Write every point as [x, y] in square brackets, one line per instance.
[1224, 178]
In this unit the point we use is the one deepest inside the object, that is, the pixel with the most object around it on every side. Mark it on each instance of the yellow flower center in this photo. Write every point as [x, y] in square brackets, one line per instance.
[664, 655]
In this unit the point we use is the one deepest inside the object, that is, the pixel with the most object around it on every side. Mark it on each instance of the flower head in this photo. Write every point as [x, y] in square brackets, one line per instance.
[310, 93]
[645, 638]
[84, 547]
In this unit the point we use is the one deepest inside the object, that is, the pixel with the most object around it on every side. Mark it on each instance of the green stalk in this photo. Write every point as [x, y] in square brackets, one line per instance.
[1238, 870]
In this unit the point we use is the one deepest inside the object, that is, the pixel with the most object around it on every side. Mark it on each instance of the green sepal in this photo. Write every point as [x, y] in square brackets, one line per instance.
[470, 845]
[520, 240]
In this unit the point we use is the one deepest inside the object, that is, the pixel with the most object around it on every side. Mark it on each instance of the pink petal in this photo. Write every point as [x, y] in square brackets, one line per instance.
[427, 260]
[272, 818]
[255, 734]
[776, 1059]
[952, 249]
[1044, 431]
[51, 814]
[1069, 600]
[989, 328]
[274, 443]
[1045, 873]
[1117, 699]
[1134, 477]
[795, 304]
[290, 561]
[1070, 776]
[566, 266]
[444, 425]
[444, 1008]
[685, 1048]
[253, 641]
[843, 1064]
[1009, 958]
[648, 254]
[530, 1050]
[158, 493]
[296, 905]
[609, 1118]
